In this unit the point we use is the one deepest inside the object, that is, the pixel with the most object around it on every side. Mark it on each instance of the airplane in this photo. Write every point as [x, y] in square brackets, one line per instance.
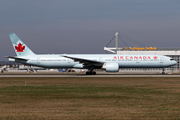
[107, 62]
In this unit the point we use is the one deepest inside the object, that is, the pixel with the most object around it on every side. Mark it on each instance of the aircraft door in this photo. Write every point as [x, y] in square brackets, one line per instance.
[138, 60]
[38, 60]
[69, 60]
[161, 59]
[100, 59]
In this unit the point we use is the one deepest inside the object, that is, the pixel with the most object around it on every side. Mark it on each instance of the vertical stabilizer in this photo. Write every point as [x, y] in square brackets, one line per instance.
[20, 48]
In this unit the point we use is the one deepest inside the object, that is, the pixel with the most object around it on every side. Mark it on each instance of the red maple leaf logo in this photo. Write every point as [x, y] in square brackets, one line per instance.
[20, 48]
[155, 57]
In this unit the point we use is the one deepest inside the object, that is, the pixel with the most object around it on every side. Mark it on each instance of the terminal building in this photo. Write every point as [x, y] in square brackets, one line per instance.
[171, 52]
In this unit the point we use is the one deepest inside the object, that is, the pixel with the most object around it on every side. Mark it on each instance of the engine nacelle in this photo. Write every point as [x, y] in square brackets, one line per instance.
[111, 67]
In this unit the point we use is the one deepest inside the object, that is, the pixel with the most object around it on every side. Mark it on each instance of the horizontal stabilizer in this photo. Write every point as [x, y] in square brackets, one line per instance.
[16, 58]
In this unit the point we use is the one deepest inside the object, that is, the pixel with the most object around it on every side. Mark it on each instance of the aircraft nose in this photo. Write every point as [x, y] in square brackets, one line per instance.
[174, 62]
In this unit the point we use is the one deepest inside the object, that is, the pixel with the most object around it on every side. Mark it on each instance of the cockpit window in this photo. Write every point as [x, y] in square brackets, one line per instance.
[171, 59]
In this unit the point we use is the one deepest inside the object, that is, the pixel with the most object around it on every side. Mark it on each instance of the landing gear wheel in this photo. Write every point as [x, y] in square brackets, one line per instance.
[90, 73]
[163, 73]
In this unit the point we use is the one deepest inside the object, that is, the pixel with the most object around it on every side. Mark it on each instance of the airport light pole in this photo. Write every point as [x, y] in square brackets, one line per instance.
[116, 41]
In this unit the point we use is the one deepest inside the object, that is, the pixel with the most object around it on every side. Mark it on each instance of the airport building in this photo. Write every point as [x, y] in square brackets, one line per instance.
[171, 52]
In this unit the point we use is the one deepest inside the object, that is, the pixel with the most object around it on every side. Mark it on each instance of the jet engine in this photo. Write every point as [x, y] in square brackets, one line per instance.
[111, 67]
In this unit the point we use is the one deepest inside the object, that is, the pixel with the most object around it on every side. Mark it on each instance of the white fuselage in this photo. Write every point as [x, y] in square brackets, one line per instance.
[124, 61]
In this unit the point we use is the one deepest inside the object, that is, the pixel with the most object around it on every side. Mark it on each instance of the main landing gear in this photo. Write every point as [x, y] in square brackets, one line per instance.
[90, 73]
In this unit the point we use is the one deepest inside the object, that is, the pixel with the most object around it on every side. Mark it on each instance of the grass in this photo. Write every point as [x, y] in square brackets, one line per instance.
[89, 98]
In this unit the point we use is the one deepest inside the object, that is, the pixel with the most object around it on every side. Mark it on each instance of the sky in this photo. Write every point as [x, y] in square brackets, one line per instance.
[86, 27]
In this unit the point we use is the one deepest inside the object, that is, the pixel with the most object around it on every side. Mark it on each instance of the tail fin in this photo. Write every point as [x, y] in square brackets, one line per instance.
[20, 48]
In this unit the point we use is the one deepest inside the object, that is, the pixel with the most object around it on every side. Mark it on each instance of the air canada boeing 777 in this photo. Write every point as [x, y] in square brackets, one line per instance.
[107, 62]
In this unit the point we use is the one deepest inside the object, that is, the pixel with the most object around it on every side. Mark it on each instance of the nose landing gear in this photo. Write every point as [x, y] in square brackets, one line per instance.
[163, 73]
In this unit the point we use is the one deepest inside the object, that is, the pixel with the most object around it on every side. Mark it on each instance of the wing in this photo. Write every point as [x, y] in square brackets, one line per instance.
[85, 62]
